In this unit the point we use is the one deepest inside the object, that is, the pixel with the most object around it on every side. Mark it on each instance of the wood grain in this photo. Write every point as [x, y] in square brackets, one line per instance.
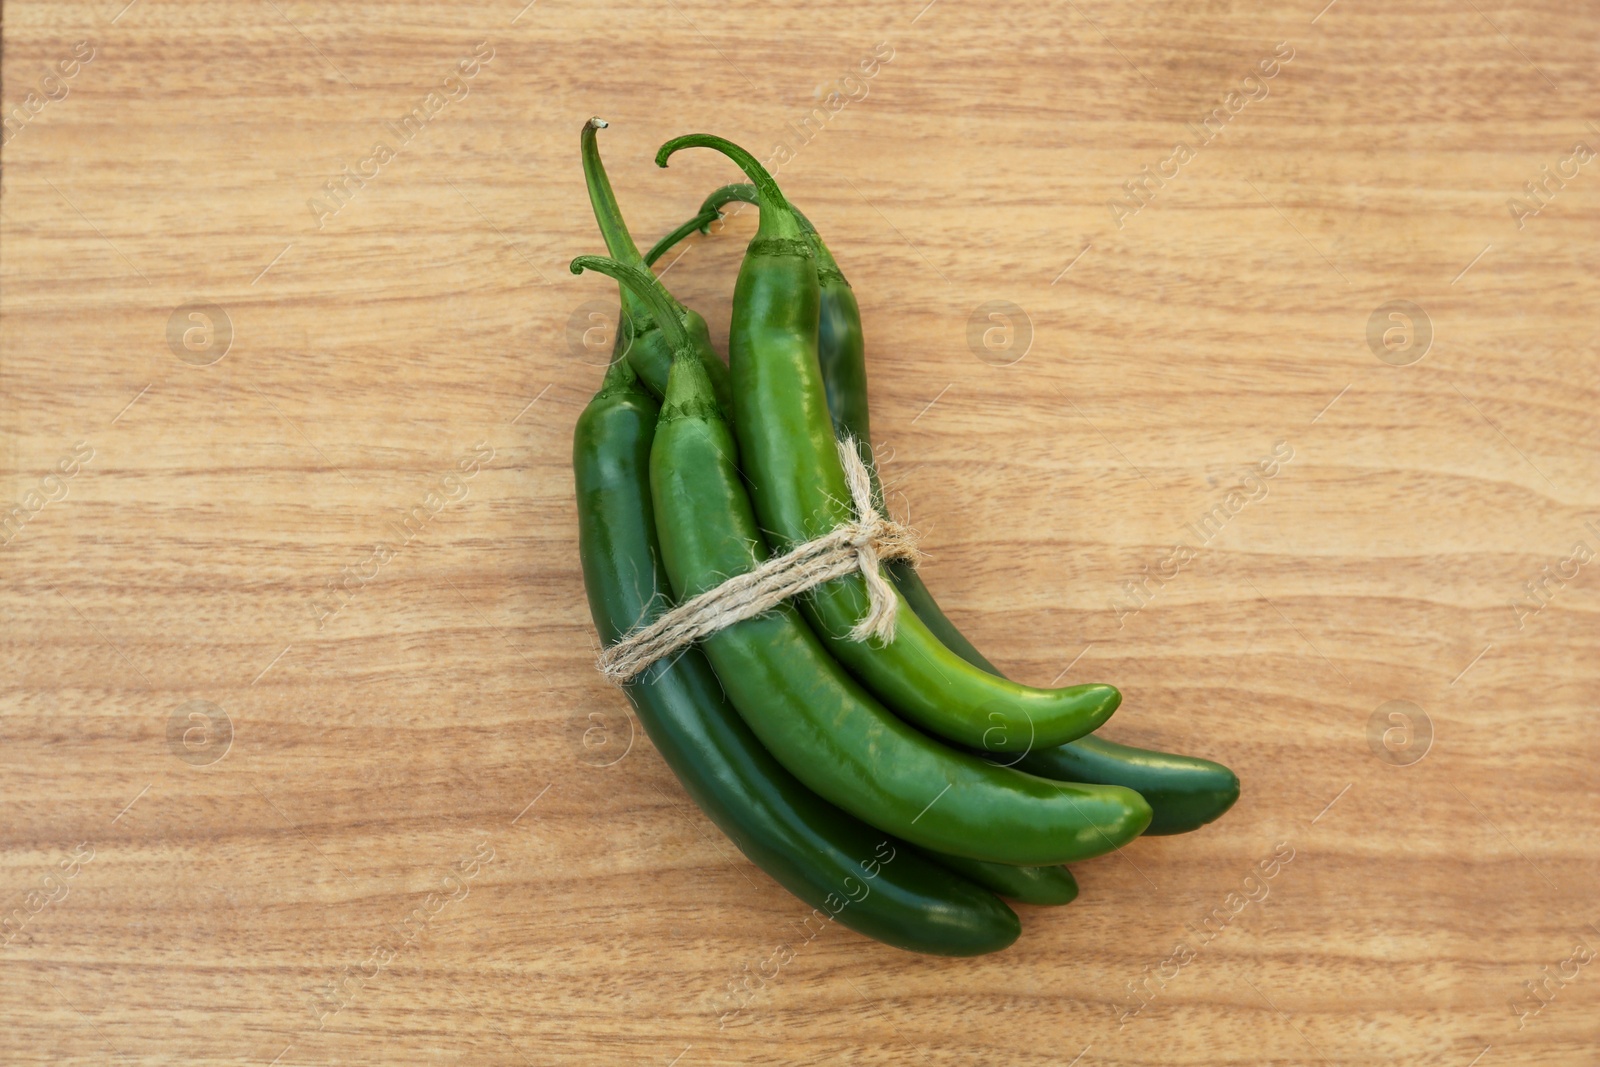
[287, 880]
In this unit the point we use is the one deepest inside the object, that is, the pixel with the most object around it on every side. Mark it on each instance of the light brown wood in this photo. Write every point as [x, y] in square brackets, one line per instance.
[192, 889]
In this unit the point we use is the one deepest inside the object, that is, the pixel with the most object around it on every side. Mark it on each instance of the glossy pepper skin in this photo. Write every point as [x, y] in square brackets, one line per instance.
[1050, 886]
[843, 362]
[797, 483]
[870, 882]
[1184, 792]
[639, 334]
[813, 717]
[841, 351]
[999, 877]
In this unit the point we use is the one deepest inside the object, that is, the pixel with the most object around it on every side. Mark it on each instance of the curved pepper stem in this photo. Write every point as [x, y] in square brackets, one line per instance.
[619, 242]
[778, 218]
[651, 293]
[737, 193]
[607, 213]
[710, 211]
[700, 222]
[745, 193]
[741, 193]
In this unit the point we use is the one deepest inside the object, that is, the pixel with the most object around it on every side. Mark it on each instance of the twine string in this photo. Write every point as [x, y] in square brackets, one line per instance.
[848, 548]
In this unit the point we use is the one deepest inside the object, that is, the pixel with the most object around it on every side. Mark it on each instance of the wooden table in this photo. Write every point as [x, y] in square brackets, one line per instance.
[247, 819]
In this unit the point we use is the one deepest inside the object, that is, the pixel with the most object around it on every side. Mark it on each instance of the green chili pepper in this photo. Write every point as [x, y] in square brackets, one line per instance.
[1000, 875]
[798, 486]
[1185, 792]
[645, 345]
[1030, 885]
[813, 717]
[840, 352]
[872, 883]
[843, 361]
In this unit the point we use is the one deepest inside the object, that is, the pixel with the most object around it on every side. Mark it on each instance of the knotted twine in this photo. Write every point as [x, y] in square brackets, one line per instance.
[861, 545]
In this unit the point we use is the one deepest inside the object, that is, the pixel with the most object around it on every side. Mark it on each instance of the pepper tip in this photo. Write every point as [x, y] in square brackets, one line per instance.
[598, 123]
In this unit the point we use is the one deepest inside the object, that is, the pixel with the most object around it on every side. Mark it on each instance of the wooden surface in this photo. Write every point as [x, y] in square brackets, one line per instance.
[272, 883]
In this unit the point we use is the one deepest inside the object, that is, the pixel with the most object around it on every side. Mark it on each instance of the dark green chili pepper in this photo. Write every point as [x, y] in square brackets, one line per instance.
[1050, 885]
[812, 716]
[797, 483]
[1185, 792]
[872, 883]
[843, 361]
[645, 345]
[1029, 885]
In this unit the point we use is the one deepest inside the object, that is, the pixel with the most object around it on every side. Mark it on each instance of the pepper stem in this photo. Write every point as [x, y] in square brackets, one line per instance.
[642, 284]
[619, 378]
[778, 218]
[619, 242]
[736, 193]
[661, 247]
[711, 211]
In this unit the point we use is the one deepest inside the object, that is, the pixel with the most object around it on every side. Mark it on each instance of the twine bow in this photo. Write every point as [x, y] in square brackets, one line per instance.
[849, 547]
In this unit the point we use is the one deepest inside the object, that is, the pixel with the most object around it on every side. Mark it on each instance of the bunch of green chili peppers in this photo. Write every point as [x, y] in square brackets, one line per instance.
[906, 786]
